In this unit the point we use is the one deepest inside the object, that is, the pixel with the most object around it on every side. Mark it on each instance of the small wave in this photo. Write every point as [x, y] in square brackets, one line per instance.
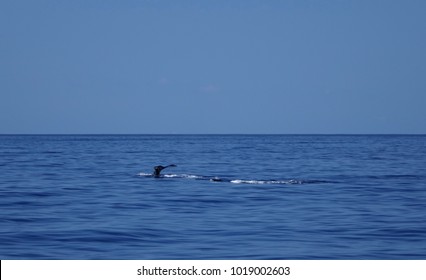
[141, 174]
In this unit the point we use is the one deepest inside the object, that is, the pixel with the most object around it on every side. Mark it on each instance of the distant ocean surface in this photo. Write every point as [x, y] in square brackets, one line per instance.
[230, 197]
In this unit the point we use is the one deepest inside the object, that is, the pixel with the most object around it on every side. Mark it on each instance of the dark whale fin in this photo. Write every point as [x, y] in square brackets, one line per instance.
[159, 168]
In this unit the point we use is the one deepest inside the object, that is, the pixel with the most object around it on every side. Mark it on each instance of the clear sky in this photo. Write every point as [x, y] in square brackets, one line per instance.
[234, 66]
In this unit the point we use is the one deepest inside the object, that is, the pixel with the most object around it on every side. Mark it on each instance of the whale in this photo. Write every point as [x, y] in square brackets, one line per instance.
[157, 174]
[159, 168]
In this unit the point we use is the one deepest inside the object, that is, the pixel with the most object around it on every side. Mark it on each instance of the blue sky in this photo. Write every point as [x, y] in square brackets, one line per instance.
[240, 66]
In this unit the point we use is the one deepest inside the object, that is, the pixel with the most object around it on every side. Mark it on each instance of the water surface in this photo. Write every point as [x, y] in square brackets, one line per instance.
[278, 197]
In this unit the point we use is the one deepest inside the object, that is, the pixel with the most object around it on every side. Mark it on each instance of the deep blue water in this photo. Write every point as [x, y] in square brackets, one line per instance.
[280, 197]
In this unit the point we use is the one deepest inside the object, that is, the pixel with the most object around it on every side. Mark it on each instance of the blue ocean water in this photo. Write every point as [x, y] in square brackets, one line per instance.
[272, 197]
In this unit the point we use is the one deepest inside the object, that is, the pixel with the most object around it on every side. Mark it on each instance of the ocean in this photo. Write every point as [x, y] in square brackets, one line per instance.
[229, 197]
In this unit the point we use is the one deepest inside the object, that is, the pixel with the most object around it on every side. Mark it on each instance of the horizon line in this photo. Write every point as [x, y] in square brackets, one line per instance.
[230, 134]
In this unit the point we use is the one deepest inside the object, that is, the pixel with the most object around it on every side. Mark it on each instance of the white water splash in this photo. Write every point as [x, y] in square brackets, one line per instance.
[234, 181]
[262, 182]
[188, 176]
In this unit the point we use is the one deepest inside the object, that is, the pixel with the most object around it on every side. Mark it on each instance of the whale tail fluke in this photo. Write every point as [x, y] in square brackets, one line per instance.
[159, 168]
